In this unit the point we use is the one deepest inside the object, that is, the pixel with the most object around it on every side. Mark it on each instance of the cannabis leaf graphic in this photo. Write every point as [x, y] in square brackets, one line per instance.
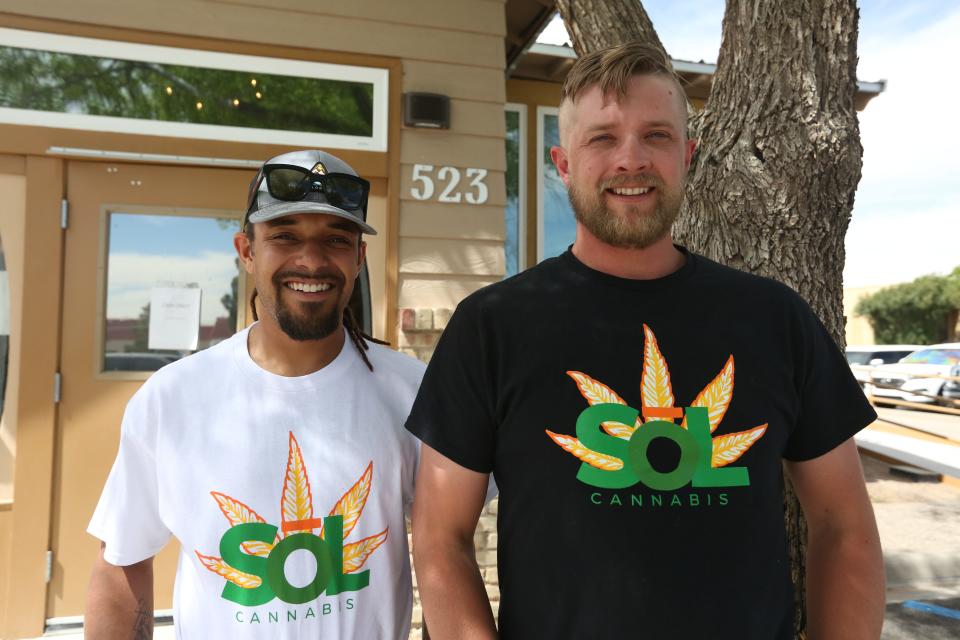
[658, 404]
[296, 515]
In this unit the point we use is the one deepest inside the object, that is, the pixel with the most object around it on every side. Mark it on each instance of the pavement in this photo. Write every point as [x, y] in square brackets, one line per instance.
[919, 523]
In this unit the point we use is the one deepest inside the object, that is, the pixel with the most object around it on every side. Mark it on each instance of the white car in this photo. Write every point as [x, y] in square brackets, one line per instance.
[905, 379]
[862, 358]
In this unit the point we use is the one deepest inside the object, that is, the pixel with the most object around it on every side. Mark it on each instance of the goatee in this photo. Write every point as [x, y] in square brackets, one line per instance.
[315, 320]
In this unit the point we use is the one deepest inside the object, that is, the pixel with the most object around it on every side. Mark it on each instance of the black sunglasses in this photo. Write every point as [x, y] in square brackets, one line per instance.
[292, 183]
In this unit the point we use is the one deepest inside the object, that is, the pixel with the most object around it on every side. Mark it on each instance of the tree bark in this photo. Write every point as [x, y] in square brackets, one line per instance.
[771, 187]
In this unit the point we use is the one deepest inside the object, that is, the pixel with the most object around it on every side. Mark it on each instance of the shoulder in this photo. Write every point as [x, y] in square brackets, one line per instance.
[394, 380]
[761, 290]
[517, 290]
[395, 364]
[193, 372]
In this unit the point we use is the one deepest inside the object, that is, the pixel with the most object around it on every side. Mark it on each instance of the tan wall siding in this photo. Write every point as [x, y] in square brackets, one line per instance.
[438, 292]
[330, 31]
[436, 220]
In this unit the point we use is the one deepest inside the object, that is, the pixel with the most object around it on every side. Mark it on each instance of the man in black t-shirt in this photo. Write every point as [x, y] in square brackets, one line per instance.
[635, 402]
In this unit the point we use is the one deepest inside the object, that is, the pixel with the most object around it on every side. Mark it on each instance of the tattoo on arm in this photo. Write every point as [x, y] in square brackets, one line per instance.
[143, 626]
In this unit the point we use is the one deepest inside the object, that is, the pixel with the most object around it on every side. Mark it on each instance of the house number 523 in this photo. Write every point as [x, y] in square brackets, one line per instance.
[448, 182]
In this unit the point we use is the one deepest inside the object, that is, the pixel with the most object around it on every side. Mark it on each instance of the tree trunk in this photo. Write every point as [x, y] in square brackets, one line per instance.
[772, 184]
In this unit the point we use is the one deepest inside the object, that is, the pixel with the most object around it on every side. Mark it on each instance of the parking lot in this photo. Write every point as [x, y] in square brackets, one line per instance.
[919, 525]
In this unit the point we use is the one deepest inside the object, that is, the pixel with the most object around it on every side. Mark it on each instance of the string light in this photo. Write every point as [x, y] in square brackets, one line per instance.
[199, 106]
[253, 82]
[236, 102]
[259, 95]
[169, 91]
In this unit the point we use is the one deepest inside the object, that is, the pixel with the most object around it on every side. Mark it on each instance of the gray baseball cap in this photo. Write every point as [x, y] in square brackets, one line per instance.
[320, 196]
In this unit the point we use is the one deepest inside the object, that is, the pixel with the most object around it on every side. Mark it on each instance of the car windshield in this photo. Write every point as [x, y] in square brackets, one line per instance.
[858, 357]
[934, 356]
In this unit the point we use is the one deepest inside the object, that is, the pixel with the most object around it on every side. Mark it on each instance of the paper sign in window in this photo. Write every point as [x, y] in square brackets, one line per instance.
[174, 318]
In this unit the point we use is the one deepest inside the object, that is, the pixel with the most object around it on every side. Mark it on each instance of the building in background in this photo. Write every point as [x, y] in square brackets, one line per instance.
[129, 132]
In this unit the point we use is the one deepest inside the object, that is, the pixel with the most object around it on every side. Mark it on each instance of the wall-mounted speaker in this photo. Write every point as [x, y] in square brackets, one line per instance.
[430, 110]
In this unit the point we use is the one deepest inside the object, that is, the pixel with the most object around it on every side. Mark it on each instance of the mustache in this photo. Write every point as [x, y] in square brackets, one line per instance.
[320, 274]
[635, 180]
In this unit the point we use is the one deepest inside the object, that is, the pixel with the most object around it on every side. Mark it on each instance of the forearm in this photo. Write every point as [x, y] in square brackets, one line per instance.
[120, 602]
[452, 593]
[845, 586]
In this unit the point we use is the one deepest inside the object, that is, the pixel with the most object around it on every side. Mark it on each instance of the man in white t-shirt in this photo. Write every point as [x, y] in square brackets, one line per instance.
[277, 458]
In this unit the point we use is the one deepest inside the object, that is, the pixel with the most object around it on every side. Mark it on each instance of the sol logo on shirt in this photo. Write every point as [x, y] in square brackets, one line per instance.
[612, 442]
[694, 442]
[254, 553]
[327, 551]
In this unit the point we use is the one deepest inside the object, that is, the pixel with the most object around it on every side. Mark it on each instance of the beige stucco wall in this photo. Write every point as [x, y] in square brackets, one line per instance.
[859, 330]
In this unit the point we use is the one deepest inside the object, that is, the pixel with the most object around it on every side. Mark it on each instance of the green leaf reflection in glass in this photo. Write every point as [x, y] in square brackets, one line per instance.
[93, 85]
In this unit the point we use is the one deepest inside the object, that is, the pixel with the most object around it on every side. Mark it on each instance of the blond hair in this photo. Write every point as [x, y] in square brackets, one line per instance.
[611, 69]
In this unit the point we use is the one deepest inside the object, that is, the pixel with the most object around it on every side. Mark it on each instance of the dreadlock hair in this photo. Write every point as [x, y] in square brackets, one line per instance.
[357, 335]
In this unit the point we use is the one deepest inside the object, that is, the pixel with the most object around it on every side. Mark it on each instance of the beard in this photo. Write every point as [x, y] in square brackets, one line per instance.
[309, 320]
[634, 228]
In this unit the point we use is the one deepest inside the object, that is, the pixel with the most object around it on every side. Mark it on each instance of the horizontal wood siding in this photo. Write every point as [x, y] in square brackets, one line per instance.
[268, 24]
[437, 220]
[438, 292]
[444, 256]
[474, 16]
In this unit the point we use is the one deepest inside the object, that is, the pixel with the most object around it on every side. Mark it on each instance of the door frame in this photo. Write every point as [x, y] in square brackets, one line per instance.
[37, 414]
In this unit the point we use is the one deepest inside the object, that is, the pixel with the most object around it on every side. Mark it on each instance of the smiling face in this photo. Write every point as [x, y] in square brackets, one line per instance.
[304, 267]
[625, 161]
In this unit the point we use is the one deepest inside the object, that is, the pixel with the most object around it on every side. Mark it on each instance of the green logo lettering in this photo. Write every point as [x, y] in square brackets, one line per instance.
[589, 433]
[278, 558]
[637, 455]
[328, 552]
[254, 565]
[696, 451]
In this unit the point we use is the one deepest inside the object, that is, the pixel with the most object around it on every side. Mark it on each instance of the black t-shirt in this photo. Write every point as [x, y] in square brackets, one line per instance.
[608, 529]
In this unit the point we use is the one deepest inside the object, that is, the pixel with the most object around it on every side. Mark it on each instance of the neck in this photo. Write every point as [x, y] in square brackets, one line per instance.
[655, 261]
[276, 352]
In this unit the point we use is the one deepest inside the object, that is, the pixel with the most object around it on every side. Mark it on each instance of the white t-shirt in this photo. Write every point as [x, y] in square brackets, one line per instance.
[245, 468]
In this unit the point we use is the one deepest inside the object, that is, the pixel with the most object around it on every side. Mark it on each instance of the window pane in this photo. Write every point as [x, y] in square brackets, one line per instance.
[512, 214]
[93, 85]
[559, 228]
[147, 251]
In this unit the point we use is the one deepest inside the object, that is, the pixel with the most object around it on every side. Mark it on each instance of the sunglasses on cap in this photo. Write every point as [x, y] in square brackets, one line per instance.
[292, 183]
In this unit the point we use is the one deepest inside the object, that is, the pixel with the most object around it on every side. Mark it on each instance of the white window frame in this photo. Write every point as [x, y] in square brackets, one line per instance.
[541, 112]
[379, 78]
[521, 109]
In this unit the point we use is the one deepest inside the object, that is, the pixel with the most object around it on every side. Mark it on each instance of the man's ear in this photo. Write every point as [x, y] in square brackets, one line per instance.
[244, 250]
[559, 157]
